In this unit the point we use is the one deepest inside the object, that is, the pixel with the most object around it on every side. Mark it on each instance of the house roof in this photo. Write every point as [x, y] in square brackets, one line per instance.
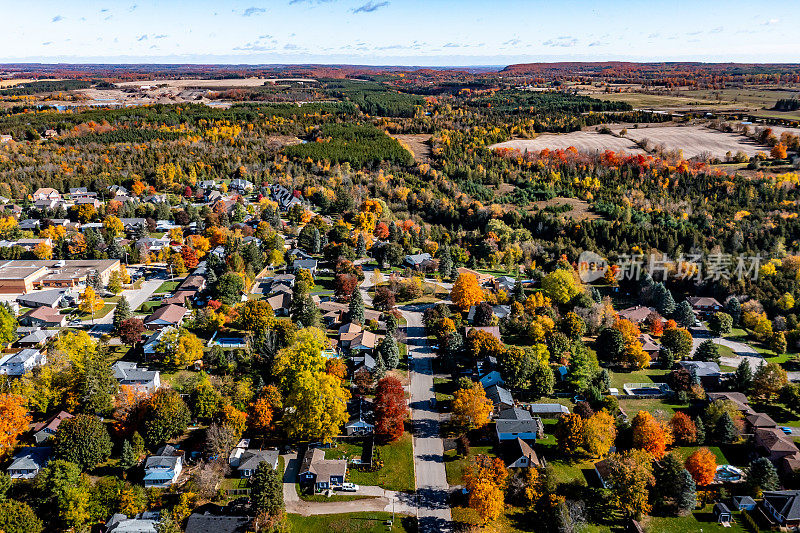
[31, 458]
[499, 395]
[193, 282]
[53, 422]
[49, 297]
[494, 330]
[206, 523]
[737, 398]
[701, 368]
[314, 462]
[250, 459]
[548, 408]
[46, 314]
[166, 458]
[515, 413]
[39, 336]
[517, 426]
[774, 440]
[603, 468]
[523, 449]
[170, 313]
[279, 301]
[760, 420]
[128, 371]
[636, 314]
[120, 523]
[309, 264]
[786, 502]
[180, 296]
[703, 301]
[417, 259]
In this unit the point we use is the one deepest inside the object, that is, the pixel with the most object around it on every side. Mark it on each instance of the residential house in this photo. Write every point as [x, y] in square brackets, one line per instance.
[707, 372]
[704, 305]
[737, 398]
[31, 244]
[603, 469]
[775, 444]
[491, 378]
[48, 298]
[636, 314]
[305, 264]
[130, 224]
[520, 454]
[505, 283]
[417, 261]
[43, 431]
[28, 461]
[46, 193]
[500, 397]
[241, 186]
[139, 379]
[783, 506]
[493, 330]
[151, 344]
[211, 523]
[237, 451]
[29, 224]
[117, 190]
[722, 513]
[357, 426]
[163, 468]
[548, 410]
[280, 303]
[759, 421]
[500, 311]
[743, 503]
[165, 316]
[94, 202]
[250, 459]
[283, 197]
[322, 473]
[146, 522]
[297, 253]
[207, 184]
[37, 338]
[20, 363]
[180, 298]
[649, 346]
[46, 203]
[195, 282]
[525, 429]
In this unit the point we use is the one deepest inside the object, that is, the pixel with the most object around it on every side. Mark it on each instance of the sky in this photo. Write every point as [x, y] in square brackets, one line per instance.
[398, 32]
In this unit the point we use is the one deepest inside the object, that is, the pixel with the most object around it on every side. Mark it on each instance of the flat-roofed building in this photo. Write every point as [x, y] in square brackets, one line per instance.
[23, 276]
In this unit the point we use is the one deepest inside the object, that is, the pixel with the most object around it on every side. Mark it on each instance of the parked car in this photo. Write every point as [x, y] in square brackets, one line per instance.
[349, 487]
[786, 430]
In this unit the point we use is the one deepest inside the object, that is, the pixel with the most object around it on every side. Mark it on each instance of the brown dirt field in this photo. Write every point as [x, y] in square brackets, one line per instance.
[418, 142]
[583, 141]
[245, 82]
[5, 84]
[694, 140]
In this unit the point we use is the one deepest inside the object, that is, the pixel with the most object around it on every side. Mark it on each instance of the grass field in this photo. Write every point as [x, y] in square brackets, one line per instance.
[454, 464]
[351, 523]
[167, 286]
[398, 464]
[700, 520]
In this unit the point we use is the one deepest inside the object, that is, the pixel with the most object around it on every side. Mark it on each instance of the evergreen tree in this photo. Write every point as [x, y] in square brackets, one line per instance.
[316, 242]
[762, 476]
[734, 308]
[266, 490]
[725, 429]
[707, 351]
[666, 358]
[394, 232]
[355, 312]
[389, 351]
[742, 377]
[391, 324]
[127, 456]
[445, 263]
[361, 246]
[519, 292]
[701, 430]
[122, 312]
[662, 299]
[676, 488]
[380, 368]
[684, 314]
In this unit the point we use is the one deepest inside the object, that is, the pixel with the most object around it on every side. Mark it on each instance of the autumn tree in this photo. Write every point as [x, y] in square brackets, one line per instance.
[466, 291]
[83, 440]
[630, 477]
[390, 409]
[166, 416]
[471, 408]
[702, 465]
[482, 344]
[570, 433]
[650, 435]
[561, 285]
[14, 419]
[683, 428]
[179, 348]
[485, 480]
[599, 433]
[130, 331]
[89, 302]
[18, 517]
[678, 341]
[768, 380]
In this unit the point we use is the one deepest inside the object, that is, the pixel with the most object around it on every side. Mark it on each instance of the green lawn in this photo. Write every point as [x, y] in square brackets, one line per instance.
[168, 286]
[107, 308]
[351, 523]
[454, 464]
[648, 375]
[149, 306]
[398, 464]
[682, 452]
[700, 520]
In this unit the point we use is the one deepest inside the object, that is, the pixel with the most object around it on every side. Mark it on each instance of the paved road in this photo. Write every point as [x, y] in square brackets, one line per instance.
[743, 351]
[135, 297]
[431, 479]
[381, 500]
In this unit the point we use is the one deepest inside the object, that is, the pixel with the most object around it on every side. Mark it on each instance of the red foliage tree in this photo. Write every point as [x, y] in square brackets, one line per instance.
[344, 285]
[190, 259]
[384, 299]
[130, 331]
[683, 428]
[390, 409]
[381, 230]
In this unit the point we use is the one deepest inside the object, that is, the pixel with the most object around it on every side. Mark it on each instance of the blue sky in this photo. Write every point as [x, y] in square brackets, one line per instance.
[398, 32]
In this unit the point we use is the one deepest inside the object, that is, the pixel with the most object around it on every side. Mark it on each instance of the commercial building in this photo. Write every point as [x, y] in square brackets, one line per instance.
[19, 276]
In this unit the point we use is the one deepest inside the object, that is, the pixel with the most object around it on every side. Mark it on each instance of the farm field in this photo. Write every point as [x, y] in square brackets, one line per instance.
[418, 143]
[584, 141]
[238, 82]
[695, 140]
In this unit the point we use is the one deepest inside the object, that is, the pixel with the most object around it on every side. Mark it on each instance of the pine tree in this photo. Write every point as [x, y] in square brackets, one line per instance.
[355, 312]
[762, 475]
[391, 324]
[361, 246]
[687, 496]
[725, 429]
[127, 457]
[445, 262]
[743, 377]
[389, 351]
[122, 312]
[701, 430]
[394, 232]
[734, 308]
[380, 368]
[316, 242]
[267, 490]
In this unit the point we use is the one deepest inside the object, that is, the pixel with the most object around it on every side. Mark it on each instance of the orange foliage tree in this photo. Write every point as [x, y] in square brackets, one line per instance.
[485, 479]
[684, 429]
[466, 291]
[482, 344]
[650, 435]
[570, 432]
[471, 407]
[14, 418]
[702, 465]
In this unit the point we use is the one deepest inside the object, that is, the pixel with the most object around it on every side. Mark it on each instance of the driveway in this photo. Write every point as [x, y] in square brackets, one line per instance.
[379, 500]
[743, 351]
[135, 297]
[432, 489]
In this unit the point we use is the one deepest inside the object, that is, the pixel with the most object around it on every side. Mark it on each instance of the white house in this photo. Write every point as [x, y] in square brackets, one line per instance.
[28, 462]
[163, 468]
[139, 379]
[22, 362]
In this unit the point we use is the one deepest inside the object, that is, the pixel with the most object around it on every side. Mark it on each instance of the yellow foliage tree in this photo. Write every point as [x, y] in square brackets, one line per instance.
[599, 433]
[90, 303]
[466, 291]
[471, 408]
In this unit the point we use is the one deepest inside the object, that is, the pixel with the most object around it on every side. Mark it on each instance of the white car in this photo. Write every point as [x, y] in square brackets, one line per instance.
[349, 487]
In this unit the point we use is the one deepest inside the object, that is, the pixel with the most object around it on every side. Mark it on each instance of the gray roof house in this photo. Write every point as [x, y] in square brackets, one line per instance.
[501, 398]
[28, 461]
[37, 338]
[250, 459]
[210, 523]
[783, 506]
[548, 410]
[140, 379]
[416, 260]
[322, 473]
[307, 264]
[141, 523]
[22, 362]
[527, 430]
[163, 468]
[49, 298]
